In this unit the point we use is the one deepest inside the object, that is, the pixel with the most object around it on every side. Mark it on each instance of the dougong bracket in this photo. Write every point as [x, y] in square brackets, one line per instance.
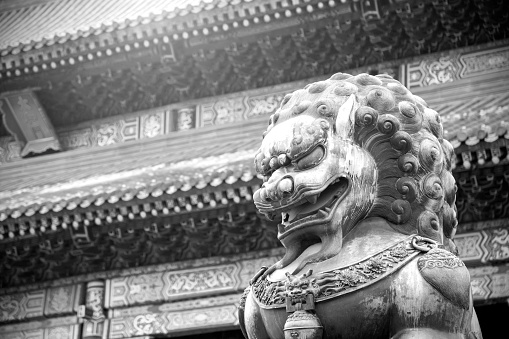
[25, 119]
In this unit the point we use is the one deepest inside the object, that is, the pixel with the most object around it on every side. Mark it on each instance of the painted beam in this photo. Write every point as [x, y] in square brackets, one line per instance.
[50, 302]
[489, 246]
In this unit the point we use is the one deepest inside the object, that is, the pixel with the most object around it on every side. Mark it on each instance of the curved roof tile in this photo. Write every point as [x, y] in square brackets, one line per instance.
[480, 118]
[149, 181]
[181, 162]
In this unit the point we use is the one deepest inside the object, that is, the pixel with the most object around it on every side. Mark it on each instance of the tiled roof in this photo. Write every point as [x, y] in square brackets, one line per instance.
[193, 159]
[62, 20]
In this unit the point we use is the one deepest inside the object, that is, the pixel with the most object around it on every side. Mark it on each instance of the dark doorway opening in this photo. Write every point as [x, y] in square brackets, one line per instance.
[493, 319]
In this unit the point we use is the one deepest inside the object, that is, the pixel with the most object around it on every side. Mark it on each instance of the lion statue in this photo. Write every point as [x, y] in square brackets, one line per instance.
[358, 172]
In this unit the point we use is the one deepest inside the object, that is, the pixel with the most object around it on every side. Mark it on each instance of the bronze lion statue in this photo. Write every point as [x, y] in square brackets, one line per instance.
[360, 175]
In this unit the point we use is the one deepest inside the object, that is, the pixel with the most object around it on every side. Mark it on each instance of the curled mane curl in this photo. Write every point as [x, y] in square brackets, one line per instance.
[416, 191]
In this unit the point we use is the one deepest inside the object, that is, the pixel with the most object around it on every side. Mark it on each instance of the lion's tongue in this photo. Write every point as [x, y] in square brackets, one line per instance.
[308, 208]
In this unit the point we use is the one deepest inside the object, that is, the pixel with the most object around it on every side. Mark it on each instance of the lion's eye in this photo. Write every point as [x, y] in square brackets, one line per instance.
[312, 159]
[304, 286]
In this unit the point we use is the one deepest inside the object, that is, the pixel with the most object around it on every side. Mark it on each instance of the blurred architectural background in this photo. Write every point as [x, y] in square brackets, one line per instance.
[128, 131]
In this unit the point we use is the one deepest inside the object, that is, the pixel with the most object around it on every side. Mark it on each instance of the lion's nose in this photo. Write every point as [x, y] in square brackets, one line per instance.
[285, 186]
[276, 191]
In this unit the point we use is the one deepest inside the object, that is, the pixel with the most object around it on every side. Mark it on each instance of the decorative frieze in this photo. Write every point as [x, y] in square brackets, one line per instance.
[22, 306]
[224, 111]
[152, 125]
[433, 71]
[250, 263]
[80, 138]
[171, 318]
[186, 119]
[62, 300]
[106, 133]
[487, 246]
[36, 326]
[175, 306]
[490, 282]
[10, 150]
[441, 69]
[484, 62]
[60, 332]
[183, 284]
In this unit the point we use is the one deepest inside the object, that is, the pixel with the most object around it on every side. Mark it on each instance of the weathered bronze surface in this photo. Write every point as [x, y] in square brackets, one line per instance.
[359, 171]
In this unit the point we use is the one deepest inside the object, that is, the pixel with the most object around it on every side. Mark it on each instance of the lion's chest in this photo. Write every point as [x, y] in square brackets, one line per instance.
[360, 314]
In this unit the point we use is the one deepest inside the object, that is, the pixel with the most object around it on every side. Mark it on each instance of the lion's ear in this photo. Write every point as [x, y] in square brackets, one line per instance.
[346, 117]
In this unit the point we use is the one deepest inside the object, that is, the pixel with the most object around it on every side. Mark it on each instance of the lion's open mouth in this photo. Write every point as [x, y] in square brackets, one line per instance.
[317, 208]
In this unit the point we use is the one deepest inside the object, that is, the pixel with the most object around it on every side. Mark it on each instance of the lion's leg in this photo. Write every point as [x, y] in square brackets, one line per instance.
[432, 300]
[254, 326]
[475, 329]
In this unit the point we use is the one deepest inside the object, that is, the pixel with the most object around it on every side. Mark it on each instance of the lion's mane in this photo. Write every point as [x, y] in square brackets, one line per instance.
[416, 190]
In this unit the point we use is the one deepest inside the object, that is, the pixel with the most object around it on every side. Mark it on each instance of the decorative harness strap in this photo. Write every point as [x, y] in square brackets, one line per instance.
[334, 283]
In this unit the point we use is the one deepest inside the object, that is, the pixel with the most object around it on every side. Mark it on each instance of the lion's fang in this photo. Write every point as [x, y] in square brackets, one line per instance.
[322, 214]
[312, 199]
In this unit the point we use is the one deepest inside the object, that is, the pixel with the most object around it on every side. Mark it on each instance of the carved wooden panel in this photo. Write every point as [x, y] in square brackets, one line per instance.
[63, 300]
[60, 332]
[54, 301]
[490, 282]
[36, 328]
[250, 263]
[183, 284]
[22, 306]
[436, 70]
[178, 317]
[487, 246]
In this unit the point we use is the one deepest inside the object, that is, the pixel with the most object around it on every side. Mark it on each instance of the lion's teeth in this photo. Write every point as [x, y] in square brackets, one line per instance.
[292, 214]
[312, 199]
[285, 216]
[327, 209]
[281, 228]
[322, 214]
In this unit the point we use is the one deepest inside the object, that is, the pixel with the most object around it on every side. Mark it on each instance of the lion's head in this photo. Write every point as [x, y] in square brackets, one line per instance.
[349, 148]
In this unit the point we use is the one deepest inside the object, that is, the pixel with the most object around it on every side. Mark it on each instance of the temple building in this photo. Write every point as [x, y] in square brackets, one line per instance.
[128, 134]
